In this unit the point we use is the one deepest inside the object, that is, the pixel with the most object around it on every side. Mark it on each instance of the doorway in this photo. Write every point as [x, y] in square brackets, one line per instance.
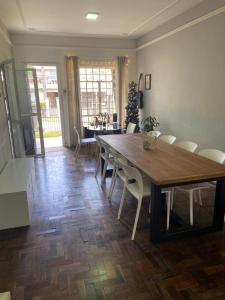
[49, 100]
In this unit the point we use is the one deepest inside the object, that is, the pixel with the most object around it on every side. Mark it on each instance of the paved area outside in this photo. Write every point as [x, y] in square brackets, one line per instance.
[52, 142]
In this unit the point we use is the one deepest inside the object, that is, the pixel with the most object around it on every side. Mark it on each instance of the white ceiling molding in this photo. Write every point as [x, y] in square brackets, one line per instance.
[20, 10]
[183, 27]
[153, 17]
[4, 34]
[44, 41]
[72, 34]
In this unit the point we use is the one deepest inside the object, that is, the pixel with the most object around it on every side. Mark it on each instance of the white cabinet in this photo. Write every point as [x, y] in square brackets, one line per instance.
[17, 192]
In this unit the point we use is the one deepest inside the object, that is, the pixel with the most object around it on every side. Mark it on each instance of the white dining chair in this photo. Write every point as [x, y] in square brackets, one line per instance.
[104, 155]
[156, 133]
[187, 145]
[118, 171]
[139, 187]
[170, 139]
[192, 189]
[82, 141]
[131, 128]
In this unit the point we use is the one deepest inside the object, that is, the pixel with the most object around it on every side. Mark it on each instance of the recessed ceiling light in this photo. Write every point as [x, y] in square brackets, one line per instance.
[92, 15]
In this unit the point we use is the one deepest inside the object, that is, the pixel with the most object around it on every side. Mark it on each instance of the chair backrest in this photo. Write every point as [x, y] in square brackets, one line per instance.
[77, 136]
[156, 133]
[187, 145]
[213, 154]
[170, 139]
[131, 128]
[132, 173]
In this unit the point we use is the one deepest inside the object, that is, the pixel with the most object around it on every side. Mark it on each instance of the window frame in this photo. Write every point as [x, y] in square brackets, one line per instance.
[99, 102]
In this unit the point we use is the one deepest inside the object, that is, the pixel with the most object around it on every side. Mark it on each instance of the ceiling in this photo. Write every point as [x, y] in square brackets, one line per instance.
[118, 18]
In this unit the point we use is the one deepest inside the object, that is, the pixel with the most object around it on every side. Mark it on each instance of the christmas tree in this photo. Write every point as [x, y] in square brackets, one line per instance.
[132, 106]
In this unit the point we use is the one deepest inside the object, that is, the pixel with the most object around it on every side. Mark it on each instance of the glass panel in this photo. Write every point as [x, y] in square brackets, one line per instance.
[97, 93]
[31, 133]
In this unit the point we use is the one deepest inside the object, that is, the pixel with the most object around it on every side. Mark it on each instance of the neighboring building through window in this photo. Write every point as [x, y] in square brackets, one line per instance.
[97, 87]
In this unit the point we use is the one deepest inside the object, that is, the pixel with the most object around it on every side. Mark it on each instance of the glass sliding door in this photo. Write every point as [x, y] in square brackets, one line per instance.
[30, 112]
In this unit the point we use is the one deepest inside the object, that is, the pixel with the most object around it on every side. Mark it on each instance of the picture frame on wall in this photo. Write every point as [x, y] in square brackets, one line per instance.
[148, 81]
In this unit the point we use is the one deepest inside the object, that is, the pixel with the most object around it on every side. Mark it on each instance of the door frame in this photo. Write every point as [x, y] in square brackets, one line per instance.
[9, 118]
[58, 72]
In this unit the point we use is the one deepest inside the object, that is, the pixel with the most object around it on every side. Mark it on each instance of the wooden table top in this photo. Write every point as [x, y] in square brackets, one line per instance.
[165, 164]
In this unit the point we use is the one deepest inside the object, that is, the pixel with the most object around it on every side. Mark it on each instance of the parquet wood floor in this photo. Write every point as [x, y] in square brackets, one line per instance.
[76, 249]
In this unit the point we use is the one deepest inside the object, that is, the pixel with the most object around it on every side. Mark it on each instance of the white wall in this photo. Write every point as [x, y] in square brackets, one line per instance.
[188, 82]
[52, 50]
[5, 54]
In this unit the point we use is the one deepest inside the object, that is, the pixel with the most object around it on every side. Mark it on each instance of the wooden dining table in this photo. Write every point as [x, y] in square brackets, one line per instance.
[169, 166]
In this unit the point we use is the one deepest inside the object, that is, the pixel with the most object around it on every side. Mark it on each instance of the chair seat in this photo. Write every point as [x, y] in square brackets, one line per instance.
[134, 189]
[195, 187]
[88, 140]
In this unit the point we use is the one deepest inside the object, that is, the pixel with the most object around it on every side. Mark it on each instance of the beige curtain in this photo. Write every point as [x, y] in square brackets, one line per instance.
[122, 71]
[73, 93]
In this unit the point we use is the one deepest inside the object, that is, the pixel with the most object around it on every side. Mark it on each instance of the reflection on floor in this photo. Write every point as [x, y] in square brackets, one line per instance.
[76, 248]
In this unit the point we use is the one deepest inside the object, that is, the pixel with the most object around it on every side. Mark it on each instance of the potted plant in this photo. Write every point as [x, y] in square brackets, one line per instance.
[150, 123]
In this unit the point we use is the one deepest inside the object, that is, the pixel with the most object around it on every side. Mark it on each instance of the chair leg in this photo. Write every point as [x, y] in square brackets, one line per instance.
[112, 185]
[98, 165]
[149, 207]
[122, 201]
[136, 218]
[200, 197]
[97, 150]
[77, 151]
[104, 171]
[168, 205]
[171, 199]
[191, 207]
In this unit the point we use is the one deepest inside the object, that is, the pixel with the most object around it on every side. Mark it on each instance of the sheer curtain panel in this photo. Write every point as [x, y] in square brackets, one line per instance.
[73, 92]
[122, 70]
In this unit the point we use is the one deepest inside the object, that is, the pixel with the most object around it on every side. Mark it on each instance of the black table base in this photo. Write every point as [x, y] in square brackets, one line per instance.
[157, 234]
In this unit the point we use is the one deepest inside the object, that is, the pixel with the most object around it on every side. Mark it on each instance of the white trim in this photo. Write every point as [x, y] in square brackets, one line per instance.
[183, 27]
[5, 35]
[72, 46]
[19, 7]
[153, 17]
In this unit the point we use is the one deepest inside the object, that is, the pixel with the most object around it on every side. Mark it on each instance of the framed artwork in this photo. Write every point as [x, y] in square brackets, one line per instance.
[148, 81]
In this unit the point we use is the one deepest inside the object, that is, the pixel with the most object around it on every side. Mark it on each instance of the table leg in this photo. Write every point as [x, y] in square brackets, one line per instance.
[156, 212]
[102, 165]
[157, 234]
[219, 206]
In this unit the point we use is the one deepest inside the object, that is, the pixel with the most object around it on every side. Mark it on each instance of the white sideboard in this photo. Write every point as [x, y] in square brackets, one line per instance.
[17, 191]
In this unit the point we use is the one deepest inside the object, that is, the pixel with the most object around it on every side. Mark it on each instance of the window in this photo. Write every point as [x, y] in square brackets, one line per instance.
[97, 87]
